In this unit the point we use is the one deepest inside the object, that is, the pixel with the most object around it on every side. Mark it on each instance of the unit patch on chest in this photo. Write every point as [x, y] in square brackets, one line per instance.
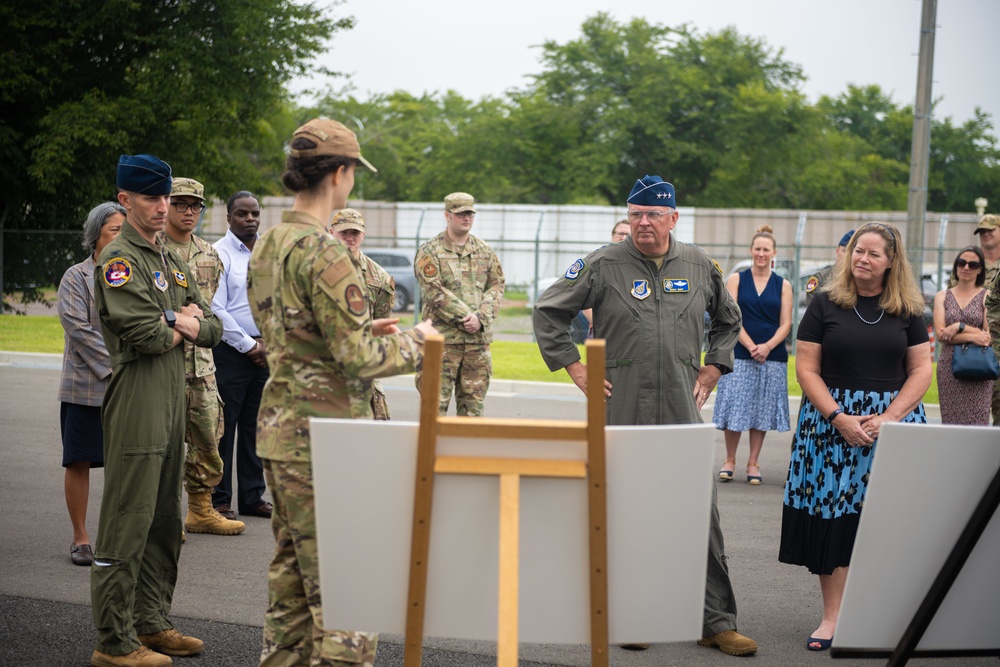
[160, 281]
[180, 278]
[640, 289]
[675, 285]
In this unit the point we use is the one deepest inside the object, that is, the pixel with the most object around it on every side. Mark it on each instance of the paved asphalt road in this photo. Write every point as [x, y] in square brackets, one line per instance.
[221, 593]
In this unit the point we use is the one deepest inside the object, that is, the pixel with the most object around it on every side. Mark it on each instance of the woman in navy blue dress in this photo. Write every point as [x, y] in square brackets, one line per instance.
[863, 359]
[754, 397]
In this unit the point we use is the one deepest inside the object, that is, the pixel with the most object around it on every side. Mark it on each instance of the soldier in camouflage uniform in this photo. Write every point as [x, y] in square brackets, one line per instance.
[349, 226]
[989, 239]
[461, 287]
[820, 278]
[202, 464]
[324, 350]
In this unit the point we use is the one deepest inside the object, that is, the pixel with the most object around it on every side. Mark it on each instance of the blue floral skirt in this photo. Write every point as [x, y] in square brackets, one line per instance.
[827, 483]
[753, 396]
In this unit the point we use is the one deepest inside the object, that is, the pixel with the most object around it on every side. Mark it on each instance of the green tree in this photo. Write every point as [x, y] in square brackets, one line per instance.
[660, 99]
[196, 82]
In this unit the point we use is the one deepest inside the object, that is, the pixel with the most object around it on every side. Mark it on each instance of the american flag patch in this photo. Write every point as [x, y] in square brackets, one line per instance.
[336, 272]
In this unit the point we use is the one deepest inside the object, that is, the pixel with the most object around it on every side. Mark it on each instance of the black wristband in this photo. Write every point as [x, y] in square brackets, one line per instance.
[171, 318]
[833, 415]
[961, 327]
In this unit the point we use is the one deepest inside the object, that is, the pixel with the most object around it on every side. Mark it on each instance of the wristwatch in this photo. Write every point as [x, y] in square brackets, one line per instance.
[961, 327]
[171, 318]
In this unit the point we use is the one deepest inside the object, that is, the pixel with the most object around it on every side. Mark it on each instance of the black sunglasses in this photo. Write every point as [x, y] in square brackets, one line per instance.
[974, 265]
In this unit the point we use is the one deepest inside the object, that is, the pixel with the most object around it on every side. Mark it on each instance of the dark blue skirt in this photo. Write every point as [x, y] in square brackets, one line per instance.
[82, 434]
[827, 483]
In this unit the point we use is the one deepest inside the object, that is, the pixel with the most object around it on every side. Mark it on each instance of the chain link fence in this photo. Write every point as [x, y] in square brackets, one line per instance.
[535, 244]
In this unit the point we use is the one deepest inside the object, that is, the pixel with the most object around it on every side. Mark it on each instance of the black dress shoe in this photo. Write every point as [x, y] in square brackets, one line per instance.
[81, 554]
[226, 511]
[263, 510]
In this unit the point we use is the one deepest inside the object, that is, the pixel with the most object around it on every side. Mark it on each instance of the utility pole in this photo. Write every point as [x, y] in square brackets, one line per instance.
[921, 145]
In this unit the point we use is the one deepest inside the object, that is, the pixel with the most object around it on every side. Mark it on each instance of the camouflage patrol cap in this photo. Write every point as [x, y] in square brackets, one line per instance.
[187, 187]
[331, 138]
[987, 222]
[347, 218]
[459, 202]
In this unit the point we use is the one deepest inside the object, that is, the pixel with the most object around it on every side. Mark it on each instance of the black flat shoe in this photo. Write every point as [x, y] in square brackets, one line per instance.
[822, 644]
[81, 554]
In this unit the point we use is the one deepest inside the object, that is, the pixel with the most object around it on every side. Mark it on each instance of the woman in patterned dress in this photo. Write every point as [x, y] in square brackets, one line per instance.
[963, 402]
[863, 359]
[754, 397]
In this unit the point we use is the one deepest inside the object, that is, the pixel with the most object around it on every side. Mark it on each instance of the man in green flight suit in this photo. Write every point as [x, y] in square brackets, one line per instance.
[461, 289]
[202, 463]
[148, 305]
[649, 294]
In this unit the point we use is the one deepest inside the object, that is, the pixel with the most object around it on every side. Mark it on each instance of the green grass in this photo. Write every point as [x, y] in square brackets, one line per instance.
[511, 360]
[31, 333]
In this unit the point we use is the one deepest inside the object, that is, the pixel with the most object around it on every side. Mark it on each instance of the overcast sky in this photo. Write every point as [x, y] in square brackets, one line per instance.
[485, 48]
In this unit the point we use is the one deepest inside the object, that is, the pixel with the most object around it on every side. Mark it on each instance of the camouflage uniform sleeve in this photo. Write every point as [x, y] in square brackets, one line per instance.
[210, 332]
[385, 294]
[993, 312]
[439, 302]
[555, 310]
[489, 308]
[340, 307]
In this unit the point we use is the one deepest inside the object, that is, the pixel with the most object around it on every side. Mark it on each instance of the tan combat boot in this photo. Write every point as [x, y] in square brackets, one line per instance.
[172, 642]
[141, 657]
[202, 517]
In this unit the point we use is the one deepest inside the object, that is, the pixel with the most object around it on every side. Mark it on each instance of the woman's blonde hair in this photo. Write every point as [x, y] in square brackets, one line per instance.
[767, 232]
[900, 295]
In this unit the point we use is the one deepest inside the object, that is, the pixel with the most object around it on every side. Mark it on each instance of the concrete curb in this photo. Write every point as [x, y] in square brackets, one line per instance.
[498, 386]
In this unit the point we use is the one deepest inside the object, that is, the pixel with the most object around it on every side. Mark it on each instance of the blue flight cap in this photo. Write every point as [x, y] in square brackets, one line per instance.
[652, 191]
[144, 174]
[846, 238]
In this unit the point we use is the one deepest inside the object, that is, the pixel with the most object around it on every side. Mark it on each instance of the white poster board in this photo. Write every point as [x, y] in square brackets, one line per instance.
[926, 481]
[659, 489]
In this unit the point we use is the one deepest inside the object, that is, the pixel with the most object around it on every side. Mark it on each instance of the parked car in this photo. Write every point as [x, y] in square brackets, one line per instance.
[399, 264]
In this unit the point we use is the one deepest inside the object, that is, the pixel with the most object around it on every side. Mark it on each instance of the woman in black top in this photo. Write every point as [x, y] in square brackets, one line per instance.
[863, 359]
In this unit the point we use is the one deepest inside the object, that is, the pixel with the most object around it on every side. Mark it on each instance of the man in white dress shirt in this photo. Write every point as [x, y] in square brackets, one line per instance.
[241, 366]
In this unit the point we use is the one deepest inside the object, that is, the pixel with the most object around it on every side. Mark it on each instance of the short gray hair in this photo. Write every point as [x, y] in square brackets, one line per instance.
[96, 219]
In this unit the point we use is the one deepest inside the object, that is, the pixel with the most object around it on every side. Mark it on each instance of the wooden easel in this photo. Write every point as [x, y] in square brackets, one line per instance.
[510, 472]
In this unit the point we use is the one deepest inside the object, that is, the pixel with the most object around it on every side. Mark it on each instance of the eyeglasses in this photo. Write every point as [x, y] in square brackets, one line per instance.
[182, 207]
[974, 265]
[652, 216]
[465, 214]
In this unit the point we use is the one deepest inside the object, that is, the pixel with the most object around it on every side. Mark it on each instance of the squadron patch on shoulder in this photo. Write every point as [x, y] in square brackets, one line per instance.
[717, 267]
[355, 300]
[180, 278]
[675, 285]
[336, 272]
[812, 282]
[160, 281]
[574, 270]
[117, 272]
[640, 289]
[429, 270]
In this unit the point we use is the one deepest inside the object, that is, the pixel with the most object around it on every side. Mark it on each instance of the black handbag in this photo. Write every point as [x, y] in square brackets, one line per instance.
[974, 363]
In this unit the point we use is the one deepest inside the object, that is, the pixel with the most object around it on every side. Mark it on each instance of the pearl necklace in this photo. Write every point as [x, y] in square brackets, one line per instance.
[866, 321]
